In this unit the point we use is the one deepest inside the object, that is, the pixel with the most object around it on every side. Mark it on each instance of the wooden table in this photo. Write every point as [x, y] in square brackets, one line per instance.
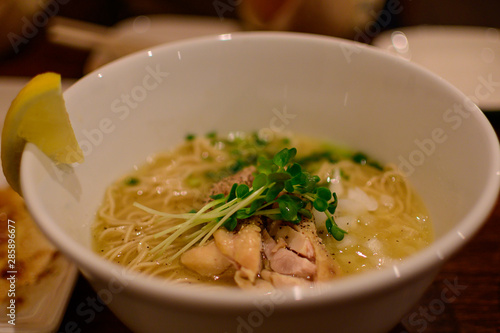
[474, 271]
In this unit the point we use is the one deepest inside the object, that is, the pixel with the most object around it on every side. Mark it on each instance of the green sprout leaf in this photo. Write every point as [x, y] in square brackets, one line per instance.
[288, 208]
[232, 193]
[278, 177]
[289, 186]
[266, 166]
[242, 190]
[217, 196]
[332, 207]
[231, 223]
[273, 192]
[259, 181]
[243, 214]
[256, 205]
[294, 170]
[284, 156]
[334, 230]
[324, 193]
[305, 213]
[320, 204]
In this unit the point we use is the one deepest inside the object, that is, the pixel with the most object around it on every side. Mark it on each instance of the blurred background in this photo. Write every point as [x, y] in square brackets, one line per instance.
[26, 27]
[72, 37]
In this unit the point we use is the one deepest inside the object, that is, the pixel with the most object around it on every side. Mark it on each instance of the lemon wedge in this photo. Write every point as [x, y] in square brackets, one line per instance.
[38, 115]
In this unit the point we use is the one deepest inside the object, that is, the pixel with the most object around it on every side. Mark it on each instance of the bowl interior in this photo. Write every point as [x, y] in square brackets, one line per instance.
[332, 89]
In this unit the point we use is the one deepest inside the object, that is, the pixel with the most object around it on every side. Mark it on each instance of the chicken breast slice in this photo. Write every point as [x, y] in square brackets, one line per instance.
[284, 261]
[283, 281]
[206, 260]
[327, 267]
[296, 241]
[243, 248]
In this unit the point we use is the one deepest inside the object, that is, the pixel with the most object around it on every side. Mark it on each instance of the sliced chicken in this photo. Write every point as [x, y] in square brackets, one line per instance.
[296, 241]
[206, 260]
[283, 281]
[243, 248]
[284, 261]
[327, 267]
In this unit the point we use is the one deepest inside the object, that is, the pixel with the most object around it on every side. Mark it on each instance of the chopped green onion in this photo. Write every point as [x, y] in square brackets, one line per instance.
[131, 181]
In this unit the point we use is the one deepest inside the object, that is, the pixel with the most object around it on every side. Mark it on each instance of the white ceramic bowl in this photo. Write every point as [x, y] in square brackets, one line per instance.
[329, 88]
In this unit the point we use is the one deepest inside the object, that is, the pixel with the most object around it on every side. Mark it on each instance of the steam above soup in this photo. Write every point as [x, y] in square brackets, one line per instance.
[255, 213]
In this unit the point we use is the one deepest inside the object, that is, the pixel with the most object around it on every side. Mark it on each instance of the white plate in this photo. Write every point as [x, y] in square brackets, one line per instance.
[468, 57]
[44, 309]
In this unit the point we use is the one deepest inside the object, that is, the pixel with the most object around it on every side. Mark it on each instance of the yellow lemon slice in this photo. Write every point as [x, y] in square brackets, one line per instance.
[38, 115]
